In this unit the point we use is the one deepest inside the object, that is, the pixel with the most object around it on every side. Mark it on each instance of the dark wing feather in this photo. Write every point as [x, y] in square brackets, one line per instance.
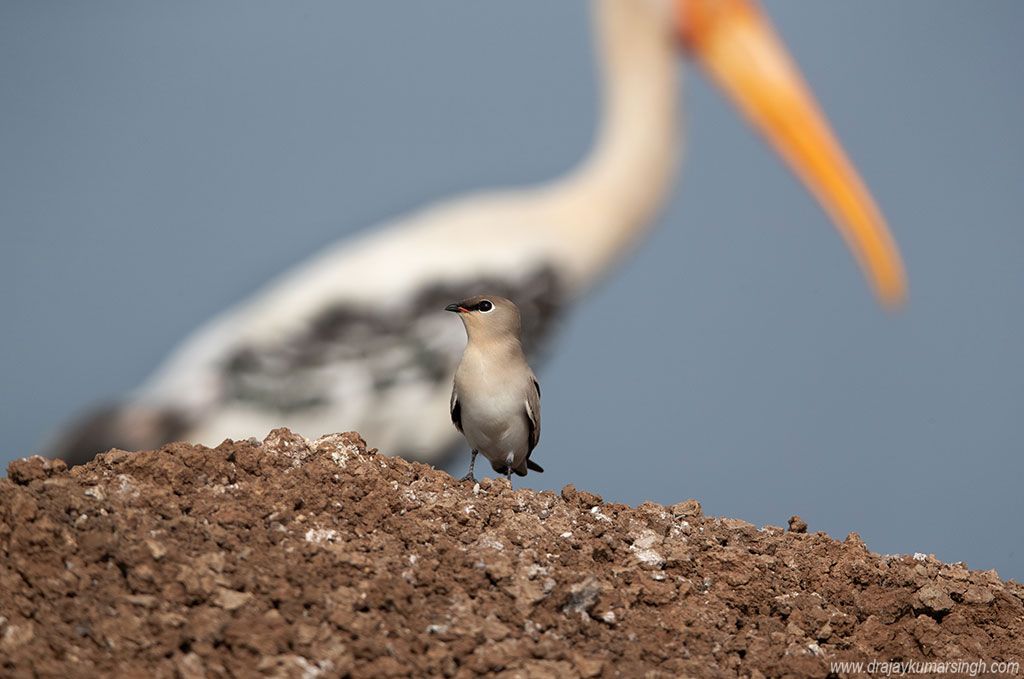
[456, 409]
[534, 428]
[532, 412]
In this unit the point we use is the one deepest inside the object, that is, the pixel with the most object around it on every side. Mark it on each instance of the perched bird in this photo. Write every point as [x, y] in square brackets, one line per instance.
[352, 340]
[495, 399]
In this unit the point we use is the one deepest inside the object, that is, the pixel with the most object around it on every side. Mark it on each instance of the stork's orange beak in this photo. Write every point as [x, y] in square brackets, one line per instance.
[737, 46]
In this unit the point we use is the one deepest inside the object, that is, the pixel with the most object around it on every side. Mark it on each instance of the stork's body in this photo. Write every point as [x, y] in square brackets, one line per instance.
[353, 338]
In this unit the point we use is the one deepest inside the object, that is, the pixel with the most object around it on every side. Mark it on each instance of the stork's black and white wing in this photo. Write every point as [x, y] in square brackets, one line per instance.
[320, 362]
[376, 357]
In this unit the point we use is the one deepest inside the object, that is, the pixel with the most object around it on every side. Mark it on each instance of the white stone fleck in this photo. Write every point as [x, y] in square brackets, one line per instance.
[642, 548]
[311, 671]
[487, 540]
[649, 557]
[126, 486]
[646, 540]
[321, 535]
[535, 569]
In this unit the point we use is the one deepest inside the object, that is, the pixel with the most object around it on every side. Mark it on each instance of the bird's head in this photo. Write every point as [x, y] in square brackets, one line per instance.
[735, 44]
[488, 317]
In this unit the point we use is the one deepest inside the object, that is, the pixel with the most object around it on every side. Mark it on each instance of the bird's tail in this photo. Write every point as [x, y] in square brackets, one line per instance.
[521, 469]
[118, 425]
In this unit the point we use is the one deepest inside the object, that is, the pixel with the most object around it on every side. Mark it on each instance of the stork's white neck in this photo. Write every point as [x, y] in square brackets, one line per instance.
[614, 195]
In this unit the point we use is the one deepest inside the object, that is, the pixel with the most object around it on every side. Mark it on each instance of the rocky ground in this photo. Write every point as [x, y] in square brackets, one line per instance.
[299, 558]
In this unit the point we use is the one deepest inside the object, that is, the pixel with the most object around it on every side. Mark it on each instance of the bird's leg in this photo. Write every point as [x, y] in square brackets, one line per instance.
[508, 475]
[472, 462]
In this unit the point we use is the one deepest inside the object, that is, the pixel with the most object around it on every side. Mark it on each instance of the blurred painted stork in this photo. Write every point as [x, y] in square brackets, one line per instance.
[356, 338]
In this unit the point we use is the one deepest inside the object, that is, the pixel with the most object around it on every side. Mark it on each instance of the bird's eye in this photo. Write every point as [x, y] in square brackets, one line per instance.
[485, 306]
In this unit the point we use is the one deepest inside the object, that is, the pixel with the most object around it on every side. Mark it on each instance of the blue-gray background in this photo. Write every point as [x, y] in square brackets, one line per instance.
[160, 160]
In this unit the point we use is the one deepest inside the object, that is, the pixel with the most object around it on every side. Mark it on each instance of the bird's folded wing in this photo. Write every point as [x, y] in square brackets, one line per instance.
[456, 410]
[532, 405]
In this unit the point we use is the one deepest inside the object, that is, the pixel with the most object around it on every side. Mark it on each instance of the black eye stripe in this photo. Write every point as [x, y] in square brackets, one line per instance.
[484, 305]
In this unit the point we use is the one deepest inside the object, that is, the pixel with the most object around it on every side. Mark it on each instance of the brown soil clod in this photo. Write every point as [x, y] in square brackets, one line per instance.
[298, 558]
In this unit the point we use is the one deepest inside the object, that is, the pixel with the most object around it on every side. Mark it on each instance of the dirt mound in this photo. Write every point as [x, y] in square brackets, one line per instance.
[295, 558]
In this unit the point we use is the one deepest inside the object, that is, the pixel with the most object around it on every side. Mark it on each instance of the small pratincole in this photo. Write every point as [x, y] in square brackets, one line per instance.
[496, 398]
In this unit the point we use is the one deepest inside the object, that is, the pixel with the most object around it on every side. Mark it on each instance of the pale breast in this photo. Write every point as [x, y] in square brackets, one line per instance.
[493, 418]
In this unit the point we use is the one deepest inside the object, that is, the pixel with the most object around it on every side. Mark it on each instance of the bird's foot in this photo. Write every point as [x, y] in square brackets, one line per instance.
[472, 463]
